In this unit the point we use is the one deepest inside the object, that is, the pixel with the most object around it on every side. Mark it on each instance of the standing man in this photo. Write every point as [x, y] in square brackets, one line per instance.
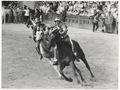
[109, 21]
[95, 22]
[15, 15]
[10, 15]
[64, 14]
[19, 15]
[103, 22]
[27, 11]
[3, 15]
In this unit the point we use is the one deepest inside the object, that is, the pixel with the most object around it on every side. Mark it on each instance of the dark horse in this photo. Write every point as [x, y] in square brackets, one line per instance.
[31, 23]
[65, 54]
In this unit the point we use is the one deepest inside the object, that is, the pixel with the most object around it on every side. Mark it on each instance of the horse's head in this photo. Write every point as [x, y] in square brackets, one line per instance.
[54, 36]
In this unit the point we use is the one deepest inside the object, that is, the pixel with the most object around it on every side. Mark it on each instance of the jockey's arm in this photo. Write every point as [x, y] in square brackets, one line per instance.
[51, 27]
[63, 32]
[34, 24]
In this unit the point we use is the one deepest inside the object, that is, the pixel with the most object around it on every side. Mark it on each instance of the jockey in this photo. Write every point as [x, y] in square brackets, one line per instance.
[64, 36]
[40, 27]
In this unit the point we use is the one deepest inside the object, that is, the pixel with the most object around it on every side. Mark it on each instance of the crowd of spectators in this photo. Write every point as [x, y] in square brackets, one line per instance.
[17, 14]
[81, 8]
[12, 13]
[108, 11]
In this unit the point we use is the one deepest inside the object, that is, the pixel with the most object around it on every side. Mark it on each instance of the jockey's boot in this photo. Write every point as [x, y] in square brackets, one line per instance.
[55, 62]
[41, 57]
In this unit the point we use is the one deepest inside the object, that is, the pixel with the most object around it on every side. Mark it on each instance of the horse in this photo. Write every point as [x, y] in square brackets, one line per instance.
[32, 23]
[65, 55]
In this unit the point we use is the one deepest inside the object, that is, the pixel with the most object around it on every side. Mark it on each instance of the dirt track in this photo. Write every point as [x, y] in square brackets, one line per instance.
[21, 67]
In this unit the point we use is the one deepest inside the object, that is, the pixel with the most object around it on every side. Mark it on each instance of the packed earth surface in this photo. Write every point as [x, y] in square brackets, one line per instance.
[22, 68]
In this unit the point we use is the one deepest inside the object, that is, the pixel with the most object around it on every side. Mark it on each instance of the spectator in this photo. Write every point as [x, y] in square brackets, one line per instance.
[26, 15]
[20, 20]
[109, 22]
[14, 15]
[23, 15]
[102, 18]
[3, 15]
[38, 14]
[64, 14]
[7, 9]
[47, 9]
[115, 23]
[95, 22]
[10, 15]
[60, 8]
[55, 6]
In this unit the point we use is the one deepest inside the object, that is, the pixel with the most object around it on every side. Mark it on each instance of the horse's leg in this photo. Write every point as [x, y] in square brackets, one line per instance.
[61, 67]
[87, 65]
[79, 73]
[74, 71]
[34, 34]
[38, 49]
[56, 68]
[83, 83]
[60, 71]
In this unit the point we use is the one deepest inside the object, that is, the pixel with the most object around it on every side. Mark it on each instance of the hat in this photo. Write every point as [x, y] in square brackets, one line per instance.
[57, 19]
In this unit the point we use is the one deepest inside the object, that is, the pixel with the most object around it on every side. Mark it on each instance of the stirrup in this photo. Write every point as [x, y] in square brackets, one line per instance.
[55, 62]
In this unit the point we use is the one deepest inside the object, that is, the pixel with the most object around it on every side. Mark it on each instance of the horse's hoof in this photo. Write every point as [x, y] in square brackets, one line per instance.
[84, 84]
[70, 79]
[93, 79]
[55, 63]
[78, 82]
[61, 78]
[84, 81]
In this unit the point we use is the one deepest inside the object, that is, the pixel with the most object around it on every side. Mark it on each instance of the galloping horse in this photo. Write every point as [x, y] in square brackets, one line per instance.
[65, 54]
[32, 24]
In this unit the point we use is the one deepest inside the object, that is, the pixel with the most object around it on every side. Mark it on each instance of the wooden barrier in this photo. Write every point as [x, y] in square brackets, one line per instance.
[82, 22]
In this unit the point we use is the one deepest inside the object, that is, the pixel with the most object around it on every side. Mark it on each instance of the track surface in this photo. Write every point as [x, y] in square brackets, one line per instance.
[21, 67]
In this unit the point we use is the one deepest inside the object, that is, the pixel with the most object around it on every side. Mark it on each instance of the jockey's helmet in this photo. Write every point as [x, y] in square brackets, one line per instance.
[57, 20]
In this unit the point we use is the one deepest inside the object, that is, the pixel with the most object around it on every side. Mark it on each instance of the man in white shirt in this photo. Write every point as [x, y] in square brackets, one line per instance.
[3, 14]
[26, 15]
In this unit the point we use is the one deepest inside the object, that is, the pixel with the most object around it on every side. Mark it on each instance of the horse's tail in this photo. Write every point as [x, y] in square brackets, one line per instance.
[78, 50]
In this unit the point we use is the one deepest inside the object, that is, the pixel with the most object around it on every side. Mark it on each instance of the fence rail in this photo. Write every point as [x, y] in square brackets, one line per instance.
[83, 22]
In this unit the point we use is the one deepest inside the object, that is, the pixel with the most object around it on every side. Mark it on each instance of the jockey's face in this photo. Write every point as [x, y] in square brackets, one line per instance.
[57, 23]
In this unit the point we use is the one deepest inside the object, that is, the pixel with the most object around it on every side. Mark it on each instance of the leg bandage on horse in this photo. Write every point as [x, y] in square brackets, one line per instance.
[55, 61]
[72, 45]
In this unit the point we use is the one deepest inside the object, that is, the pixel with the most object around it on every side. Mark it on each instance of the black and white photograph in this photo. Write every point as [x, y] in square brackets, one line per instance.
[59, 44]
